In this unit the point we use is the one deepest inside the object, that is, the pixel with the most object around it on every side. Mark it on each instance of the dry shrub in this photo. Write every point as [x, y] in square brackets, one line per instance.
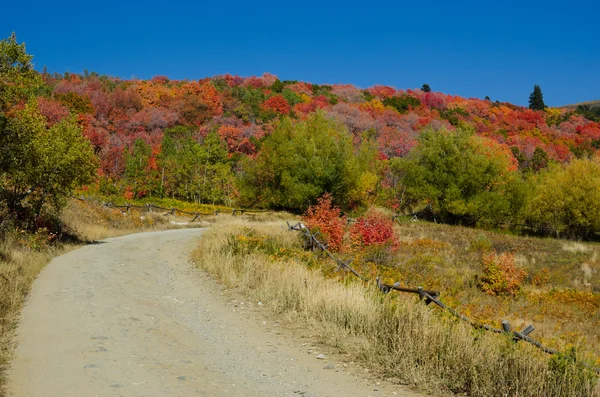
[500, 274]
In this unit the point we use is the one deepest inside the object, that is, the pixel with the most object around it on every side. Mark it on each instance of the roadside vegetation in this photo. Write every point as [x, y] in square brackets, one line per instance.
[400, 337]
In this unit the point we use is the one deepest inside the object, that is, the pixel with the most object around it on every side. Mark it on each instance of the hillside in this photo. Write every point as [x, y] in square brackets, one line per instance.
[574, 106]
[115, 114]
[259, 142]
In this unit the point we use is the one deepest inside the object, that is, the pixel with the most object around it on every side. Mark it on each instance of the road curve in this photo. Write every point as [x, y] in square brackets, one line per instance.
[130, 316]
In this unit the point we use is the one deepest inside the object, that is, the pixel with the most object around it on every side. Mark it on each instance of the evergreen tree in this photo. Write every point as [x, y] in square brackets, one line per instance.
[426, 88]
[536, 99]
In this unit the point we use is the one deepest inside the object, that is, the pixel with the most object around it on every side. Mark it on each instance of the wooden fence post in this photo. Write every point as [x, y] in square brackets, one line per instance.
[421, 293]
[529, 329]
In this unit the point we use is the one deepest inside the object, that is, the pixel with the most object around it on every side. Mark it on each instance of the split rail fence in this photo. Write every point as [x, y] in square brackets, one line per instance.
[149, 207]
[428, 296]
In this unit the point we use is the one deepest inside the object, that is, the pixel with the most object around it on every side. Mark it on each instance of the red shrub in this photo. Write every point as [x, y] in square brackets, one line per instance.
[373, 229]
[326, 219]
[278, 104]
[500, 274]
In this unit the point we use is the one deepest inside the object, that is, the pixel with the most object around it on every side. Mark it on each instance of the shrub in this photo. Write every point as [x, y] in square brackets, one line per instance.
[327, 220]
[373, 229]
[500, 274]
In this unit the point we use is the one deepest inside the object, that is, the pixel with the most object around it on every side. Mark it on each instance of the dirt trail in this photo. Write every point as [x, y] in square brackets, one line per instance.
[130, 316]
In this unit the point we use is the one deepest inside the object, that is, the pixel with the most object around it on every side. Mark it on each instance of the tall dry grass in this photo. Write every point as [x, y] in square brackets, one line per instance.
[394, 334]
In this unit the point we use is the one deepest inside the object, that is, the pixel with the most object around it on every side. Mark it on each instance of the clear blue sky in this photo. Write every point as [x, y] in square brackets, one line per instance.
[472, 49]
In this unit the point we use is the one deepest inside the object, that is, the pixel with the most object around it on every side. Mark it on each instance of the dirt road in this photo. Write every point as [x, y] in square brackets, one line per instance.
[130, 316]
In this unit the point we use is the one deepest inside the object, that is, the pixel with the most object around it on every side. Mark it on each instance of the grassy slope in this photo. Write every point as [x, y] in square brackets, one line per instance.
[574, 106]
[401, 338]
[561, 296]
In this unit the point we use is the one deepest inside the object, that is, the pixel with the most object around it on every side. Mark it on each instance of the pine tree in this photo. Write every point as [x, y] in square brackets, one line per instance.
[426, 88]
[536, 99]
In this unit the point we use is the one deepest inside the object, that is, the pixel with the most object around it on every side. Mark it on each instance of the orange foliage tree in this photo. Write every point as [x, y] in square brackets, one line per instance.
[326, 219]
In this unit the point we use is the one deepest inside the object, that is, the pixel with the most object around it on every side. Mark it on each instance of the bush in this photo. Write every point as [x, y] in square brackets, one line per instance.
[326, 219]
[373, 229]
[500, 274]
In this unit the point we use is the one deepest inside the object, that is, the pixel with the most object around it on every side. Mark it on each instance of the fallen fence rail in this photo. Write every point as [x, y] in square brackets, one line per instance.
[428, 296]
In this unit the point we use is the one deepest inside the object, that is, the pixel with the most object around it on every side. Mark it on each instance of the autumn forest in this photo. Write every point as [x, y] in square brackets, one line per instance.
[259, 142]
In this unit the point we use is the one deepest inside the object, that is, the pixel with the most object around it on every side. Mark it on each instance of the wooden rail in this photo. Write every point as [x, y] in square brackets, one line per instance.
[429, 296]
[149, 207]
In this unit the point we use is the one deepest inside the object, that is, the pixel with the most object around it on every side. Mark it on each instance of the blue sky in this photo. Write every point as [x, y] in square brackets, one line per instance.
[469, 48]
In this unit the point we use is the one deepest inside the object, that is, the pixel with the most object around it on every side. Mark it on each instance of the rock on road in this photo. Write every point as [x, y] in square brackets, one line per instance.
[130, 316]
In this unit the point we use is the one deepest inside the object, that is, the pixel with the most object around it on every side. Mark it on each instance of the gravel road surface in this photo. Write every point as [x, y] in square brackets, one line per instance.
[130, 316]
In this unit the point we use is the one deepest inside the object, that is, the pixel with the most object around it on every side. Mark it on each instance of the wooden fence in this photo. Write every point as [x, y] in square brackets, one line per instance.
[149, 207]
[428, 296]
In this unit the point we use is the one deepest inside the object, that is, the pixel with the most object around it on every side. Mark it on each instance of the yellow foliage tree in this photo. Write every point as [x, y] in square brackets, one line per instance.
[566, 199]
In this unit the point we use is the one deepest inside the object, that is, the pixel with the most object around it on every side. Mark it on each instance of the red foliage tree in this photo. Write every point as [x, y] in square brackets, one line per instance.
[278, 104]
[381, 91]
[53, 111]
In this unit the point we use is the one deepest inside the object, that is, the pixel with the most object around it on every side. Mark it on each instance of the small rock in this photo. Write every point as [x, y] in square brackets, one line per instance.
[375, 389]
[321, 356]
[259, 303]
[329, 365]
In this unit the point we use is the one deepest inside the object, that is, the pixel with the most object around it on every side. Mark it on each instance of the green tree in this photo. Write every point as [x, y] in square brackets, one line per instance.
[216, 180]
[298, 163]
[566, 199]
[536, 99]
[18, 81]
[402, 103]
[138, 172]
[39, 165]
[426, 88]
[194, 171]
[179, 163]
[46, 164]
[539, 159]
[464, 177]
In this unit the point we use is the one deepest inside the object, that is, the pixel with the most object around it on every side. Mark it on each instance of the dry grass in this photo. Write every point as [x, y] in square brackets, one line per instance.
[393, 334]
[561, 296]
[23, 255]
